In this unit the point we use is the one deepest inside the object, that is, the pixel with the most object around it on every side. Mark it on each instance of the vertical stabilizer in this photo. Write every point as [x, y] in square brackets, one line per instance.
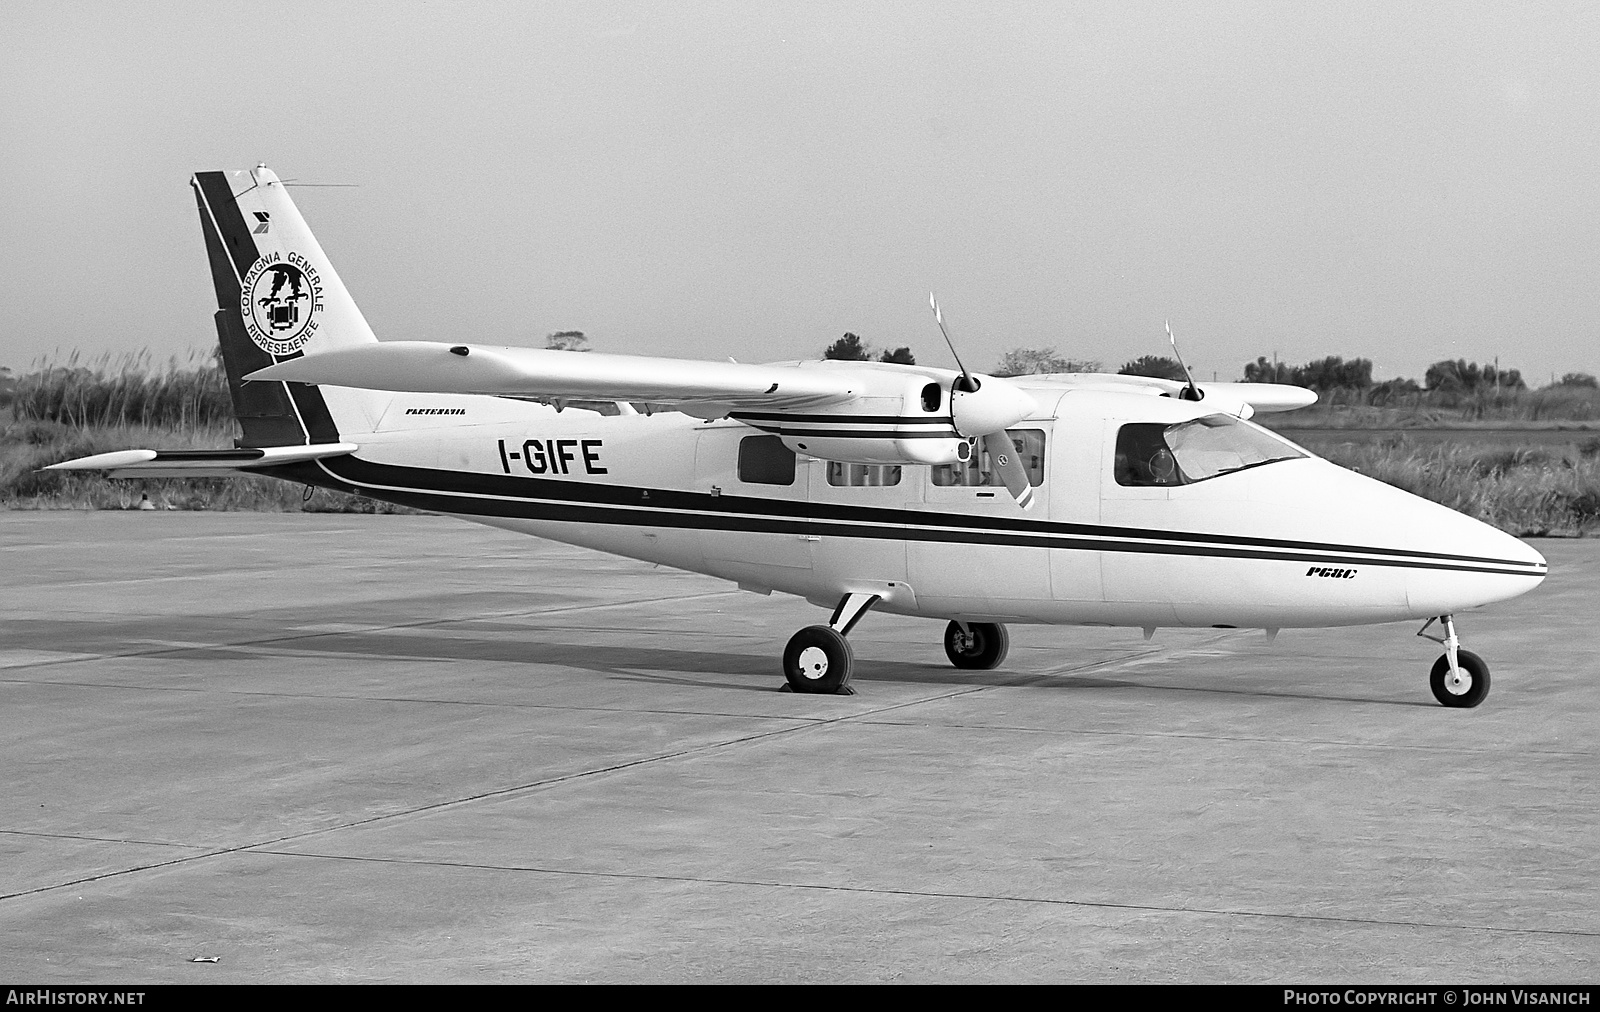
[278, 297]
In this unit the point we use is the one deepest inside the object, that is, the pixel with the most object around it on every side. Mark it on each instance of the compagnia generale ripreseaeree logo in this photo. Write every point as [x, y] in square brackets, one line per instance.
[280, 299]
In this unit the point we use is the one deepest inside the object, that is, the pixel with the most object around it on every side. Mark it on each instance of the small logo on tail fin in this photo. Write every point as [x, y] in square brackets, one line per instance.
[265, 223]
[279, 300]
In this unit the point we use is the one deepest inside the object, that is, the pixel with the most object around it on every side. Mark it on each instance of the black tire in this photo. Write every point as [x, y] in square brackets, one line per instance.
[1468, 695]
[817, 659]
[982, 647]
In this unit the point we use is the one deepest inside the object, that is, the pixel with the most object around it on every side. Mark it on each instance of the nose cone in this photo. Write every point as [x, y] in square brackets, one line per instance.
[1473, 563]
[1445, 561]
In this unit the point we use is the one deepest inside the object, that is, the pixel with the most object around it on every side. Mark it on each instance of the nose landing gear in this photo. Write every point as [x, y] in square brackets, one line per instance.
[1460, 678]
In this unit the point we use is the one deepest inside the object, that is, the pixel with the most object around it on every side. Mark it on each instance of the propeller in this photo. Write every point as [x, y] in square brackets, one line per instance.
[983, 410]
[1193, 393]
[968, 384]
[1008, 462]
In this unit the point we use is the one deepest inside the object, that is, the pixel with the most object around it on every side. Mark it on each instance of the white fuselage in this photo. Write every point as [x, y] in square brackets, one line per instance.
[1292, 543]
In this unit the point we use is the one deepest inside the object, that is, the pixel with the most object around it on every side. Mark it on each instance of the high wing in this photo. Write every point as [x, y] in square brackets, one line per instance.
[1241, 399]
[708, 389]
[1263, 397]
[199, 463]
[852, 412]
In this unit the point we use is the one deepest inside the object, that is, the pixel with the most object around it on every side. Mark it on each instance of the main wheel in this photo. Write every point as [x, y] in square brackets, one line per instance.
[817, 659]
[1466, 691]
[981, 647]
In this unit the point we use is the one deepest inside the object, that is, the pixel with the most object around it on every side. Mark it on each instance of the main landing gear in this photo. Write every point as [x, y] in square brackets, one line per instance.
[818, 657]
[1459, 678]
[976, 646]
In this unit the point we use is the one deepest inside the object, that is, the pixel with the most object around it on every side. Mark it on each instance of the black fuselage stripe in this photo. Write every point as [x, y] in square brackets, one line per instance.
[399, 484]
[520, 487]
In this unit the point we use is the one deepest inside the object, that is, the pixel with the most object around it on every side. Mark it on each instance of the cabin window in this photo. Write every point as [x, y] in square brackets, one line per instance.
[932, 396]
[863, 474]
[1150, 453]
[979, 469]
[764, 460]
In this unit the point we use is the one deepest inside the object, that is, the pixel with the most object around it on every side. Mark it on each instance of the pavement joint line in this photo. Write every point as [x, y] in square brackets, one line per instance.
[1232, 737]
[941, 894]
[99, 839]
[197, 573]
[456, 802]
[422, 700]
[423, 623]
[185, 539]
[863, 718]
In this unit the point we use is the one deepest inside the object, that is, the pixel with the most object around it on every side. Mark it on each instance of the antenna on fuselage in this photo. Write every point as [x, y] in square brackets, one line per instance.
[1193, 393]
[968, 384]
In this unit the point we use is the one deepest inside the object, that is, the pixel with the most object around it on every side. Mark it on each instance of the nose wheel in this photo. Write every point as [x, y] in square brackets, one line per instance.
[1460, 678]
[1464, 687]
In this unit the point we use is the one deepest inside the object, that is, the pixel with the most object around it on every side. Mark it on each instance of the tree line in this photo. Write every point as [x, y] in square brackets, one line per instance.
[1329, 374]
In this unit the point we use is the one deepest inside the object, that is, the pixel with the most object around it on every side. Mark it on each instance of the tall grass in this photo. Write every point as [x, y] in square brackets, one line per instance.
[1527, 492]
[130, 390]
[61, 411]
[1376, 408]
[28, 446]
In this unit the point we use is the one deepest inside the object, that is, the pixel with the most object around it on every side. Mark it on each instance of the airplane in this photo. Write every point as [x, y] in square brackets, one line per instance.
[860, 486]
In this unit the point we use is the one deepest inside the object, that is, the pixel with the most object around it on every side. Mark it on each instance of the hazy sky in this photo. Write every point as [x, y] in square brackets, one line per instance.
[1405, 182]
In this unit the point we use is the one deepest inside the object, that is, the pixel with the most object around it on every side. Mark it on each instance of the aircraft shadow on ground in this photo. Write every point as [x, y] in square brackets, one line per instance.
[656, 663]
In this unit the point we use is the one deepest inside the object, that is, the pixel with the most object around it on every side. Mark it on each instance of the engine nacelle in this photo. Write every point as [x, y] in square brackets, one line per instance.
[900, 419]
[995, 405]
[858, 450]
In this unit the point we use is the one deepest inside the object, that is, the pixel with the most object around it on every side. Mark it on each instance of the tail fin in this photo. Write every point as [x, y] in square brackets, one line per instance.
[278, 297]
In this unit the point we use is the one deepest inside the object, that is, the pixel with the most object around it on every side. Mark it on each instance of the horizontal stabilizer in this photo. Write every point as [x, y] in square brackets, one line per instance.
[199, 463]
[431, 367]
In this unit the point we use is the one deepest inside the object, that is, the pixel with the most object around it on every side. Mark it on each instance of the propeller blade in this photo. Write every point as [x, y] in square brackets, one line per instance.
[967, 382]
[1003, 455]
[1194, 391]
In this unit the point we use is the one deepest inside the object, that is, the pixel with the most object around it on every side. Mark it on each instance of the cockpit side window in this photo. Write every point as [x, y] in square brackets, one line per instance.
[980, 470]
[1149, 453]
[1143, 457]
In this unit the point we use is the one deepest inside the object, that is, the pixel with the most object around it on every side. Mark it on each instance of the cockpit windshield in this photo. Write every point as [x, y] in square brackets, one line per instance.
[1182, 454]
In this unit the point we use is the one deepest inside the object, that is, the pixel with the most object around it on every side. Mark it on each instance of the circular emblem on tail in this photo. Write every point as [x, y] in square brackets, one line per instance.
[280, 299]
